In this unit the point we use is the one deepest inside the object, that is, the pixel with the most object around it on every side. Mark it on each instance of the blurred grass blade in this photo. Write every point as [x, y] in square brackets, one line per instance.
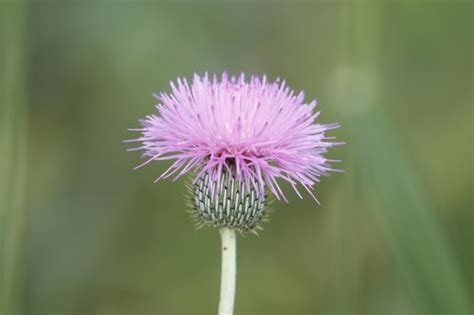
[419, 243]
[12, 150]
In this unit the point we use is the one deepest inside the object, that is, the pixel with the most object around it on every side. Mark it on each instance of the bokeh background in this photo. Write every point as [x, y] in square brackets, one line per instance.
[81, 233]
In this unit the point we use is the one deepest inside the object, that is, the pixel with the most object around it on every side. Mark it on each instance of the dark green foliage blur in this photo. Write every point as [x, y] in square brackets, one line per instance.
[81, 233]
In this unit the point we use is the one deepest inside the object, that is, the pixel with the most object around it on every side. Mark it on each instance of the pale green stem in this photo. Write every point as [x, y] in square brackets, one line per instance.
[228, 275]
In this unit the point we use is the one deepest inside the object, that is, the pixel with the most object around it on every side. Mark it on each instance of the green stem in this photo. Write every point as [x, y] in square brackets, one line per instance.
[226, 303]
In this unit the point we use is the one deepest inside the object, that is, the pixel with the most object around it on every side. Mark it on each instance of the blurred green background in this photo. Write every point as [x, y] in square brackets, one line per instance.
[81, 233]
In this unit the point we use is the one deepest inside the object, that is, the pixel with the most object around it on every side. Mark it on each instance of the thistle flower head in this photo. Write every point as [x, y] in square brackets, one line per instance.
[231, 131]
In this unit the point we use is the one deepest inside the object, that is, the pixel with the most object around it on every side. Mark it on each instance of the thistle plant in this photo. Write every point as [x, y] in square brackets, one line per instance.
[237, 139]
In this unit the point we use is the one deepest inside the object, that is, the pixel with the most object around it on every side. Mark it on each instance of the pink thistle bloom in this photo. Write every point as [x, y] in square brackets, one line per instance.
[259, 131]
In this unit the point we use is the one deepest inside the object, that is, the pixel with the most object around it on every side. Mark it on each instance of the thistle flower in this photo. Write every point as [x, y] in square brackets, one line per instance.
[238, 139]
